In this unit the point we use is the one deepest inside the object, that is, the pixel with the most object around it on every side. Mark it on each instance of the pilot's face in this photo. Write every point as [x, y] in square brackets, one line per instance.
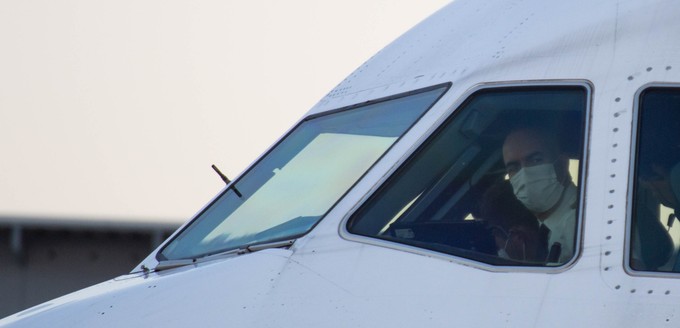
[526, 148]
[659, 183]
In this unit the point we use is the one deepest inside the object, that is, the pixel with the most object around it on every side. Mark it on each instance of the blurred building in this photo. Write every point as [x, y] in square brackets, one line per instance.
[43, 258]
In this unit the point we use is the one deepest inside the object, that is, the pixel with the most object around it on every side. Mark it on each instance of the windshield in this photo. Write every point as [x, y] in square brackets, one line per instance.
[288, 191]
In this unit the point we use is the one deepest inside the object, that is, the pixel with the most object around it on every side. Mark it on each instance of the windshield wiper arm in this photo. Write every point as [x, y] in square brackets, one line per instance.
[170, 264]
[276, 244]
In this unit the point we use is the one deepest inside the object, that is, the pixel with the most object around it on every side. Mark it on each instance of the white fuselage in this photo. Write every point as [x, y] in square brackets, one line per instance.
[331, 277]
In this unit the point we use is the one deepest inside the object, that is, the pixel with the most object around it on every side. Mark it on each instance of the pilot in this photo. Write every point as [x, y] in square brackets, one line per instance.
[659, 157]
[659, 173]
[540, 179]
[652, 245]
[663, 179]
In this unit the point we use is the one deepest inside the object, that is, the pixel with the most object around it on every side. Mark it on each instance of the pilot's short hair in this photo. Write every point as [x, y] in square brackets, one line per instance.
[544, 131]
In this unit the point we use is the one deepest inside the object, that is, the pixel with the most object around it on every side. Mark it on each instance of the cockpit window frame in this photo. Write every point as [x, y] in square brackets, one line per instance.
[445, 87]
[449, 115]
[631, 186]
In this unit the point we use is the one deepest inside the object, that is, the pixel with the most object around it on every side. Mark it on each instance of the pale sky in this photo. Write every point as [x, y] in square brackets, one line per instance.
[117, 109]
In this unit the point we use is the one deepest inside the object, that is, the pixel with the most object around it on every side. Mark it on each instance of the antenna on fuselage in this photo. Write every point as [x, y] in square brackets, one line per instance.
[227, 181]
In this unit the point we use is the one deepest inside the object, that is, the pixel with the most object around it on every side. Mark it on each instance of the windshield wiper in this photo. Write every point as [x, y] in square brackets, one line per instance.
[276, 244]
[170, 264]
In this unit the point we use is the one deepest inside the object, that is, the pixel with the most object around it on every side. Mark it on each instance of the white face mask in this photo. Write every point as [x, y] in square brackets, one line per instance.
[537, 187]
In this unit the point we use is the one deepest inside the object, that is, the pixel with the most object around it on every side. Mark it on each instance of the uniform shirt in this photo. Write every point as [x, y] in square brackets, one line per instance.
[562, 223]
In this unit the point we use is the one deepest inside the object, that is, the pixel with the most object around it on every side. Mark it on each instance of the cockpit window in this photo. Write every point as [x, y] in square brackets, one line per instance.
[654, 232]
[497, 183]
[288, 191]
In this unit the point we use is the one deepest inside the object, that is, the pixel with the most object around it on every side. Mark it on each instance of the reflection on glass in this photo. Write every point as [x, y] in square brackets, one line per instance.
[287, 192]
[325, 168]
